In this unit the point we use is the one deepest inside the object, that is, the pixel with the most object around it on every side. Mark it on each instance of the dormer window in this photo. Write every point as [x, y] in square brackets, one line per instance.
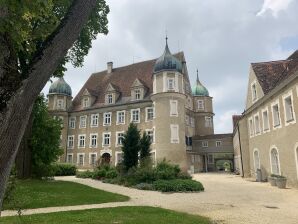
[171, 83]
[110, 98]
[86, 102]
[137, 94]
[254, 92]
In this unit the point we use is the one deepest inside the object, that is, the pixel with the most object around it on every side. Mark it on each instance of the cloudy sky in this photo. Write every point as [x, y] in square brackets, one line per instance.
[219, 37]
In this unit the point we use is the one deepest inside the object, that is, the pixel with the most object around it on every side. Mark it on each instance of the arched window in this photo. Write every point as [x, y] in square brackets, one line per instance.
[274, 158]
[296, 158]
[256, 160]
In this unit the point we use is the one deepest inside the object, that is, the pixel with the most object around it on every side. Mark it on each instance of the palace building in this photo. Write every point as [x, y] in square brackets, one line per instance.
[154, 94]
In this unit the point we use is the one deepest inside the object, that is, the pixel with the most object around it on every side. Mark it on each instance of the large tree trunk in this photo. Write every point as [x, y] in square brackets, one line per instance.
[14, 119]
[23, 161]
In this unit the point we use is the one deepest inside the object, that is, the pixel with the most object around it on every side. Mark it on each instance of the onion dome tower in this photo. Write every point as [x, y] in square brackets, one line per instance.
[198, 89]
[59, 95]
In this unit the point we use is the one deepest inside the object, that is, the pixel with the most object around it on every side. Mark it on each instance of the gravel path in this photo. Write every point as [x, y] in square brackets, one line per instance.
[227, 199]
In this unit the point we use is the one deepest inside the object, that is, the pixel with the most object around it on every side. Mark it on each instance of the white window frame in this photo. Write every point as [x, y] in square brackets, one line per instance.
[153, 113]
[170, 79]
[116, 157]
[153, 159]
[174, 109]
[110, 99]
[117, 118]
[254, 160]
[73, 141]
[218, 143]
[139, 115]
[90, 154]
[251, 127]
[296, 157]
[90, 140]
[263, 120]
[80, 125]
[279, 168]
[153, 134]
[201, 104]
[104, 119]
[79, 136]
[257, 126]
[192, 122]
[103, 139]
[173, 140]
[86, 102]
[272, 113]
[286, 96]
[208, 124]
[254, 94]
[137, 94]
[117, 137]
[205, 144]
[92, 118]
[72, 120]
[60, 104]
[69, 154]
[78, 158]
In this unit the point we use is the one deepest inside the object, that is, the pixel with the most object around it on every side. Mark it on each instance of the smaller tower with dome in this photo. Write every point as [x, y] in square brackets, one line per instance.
[59, 97]
[203, 109]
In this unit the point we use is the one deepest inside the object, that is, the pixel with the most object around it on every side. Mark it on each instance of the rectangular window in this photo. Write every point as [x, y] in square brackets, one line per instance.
[81, 141]
[135, 115]
[251, 128]
[86, 102]
[149, 113]
[110, 98]
[72, 123]
[107, 117]
[210, 159]
[81, 159]
[106, 139]
[257, 124]
[70, 158]
[70, 141]
[276, 115]
[60, 104]
[119, 138]
[94, 120]
[137, 94]
[188, 141]
[173, 108]
[254, 92]
[119, 157]
[288, 106]
[265, 120]
[201, 105]
[187, 119]
[171, 83]
[93, 140]
[83, 121]
[174, 133]
[208, 122]
[205, 144]
[218, 143]
[192, 122]
[92, 159]
[121, 117]
[150, 133]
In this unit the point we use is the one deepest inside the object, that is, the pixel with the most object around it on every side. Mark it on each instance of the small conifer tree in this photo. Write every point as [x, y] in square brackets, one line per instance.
[145, 143]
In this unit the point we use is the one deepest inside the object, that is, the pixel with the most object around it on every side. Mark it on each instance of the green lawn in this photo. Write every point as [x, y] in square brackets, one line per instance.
[119, 215]
[40, 194]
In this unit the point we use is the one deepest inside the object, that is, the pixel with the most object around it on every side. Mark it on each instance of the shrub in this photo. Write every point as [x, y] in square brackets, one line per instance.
[44, 171]
[99, 174]
[144, 186]
[177, 185]
[112, 173]
[144, 175]
[166, 171]
[64, 169]
[85, 174]
[183, 176]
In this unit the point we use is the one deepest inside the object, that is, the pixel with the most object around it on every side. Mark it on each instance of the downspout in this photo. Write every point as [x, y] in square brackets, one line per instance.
[240, 150]
[66, 142]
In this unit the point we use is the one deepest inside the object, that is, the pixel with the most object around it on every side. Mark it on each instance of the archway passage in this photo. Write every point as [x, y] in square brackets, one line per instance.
[105, 159]
[224, 165]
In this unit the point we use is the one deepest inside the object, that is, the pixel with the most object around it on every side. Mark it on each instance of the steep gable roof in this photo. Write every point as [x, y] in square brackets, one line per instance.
[270, 74]
[121, 78]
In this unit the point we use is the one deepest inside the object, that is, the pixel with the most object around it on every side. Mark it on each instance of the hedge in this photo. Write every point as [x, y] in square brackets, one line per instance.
[64, 169]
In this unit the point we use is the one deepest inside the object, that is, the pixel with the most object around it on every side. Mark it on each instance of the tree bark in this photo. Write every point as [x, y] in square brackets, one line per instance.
[15, 118]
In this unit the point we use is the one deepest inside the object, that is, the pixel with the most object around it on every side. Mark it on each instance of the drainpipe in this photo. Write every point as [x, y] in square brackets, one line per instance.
[206, 165]
[240, 150]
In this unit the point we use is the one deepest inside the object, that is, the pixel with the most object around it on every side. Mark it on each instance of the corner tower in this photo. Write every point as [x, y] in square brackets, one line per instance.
[203, 109]
[169, 101]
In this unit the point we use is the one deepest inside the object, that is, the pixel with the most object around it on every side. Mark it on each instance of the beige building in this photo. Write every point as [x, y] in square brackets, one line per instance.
[266, 135]
[154, 94]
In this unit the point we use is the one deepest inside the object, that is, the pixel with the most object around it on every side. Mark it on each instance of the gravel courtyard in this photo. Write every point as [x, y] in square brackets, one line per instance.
[227, 199]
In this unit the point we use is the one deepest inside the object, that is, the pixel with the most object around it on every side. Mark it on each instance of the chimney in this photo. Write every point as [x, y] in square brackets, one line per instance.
[109, 67]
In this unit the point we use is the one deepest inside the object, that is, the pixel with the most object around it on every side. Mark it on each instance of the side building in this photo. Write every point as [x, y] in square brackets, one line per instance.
[265, 136]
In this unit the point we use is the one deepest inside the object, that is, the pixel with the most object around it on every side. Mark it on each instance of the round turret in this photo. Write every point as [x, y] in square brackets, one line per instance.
[60, 87]
[198, 89]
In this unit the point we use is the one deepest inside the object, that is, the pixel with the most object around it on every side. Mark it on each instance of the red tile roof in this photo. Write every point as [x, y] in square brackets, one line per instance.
[270, 74]
[122, 78]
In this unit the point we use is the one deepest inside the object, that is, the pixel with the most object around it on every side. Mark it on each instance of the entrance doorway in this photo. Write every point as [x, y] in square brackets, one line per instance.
[105, 159]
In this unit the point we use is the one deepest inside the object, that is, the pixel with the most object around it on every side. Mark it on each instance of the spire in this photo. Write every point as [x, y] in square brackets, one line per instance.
[198, 80]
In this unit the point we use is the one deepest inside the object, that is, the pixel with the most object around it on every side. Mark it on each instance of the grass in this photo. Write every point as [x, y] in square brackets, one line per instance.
[118, 215]
[41, 194]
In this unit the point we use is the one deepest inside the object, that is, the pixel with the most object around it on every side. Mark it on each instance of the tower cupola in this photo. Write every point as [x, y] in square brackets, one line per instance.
[60, 87]
[198, 89]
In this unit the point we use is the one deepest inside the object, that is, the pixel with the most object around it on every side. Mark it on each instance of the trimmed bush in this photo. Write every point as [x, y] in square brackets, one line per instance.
[85, 174]
[99, 174]
[166, 171]
[112, 173]
[144, 175]
[64, 169]
[178, 185]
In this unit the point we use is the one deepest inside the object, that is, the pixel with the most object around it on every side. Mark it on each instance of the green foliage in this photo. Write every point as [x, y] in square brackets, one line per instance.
[45, 140]
[65, 169]
[30, 23]
[85, 174]
[112, 173]
[177, 185]
[145, 143]
[166, 171]
[105, 171]
[130, 147]
[144, 186]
